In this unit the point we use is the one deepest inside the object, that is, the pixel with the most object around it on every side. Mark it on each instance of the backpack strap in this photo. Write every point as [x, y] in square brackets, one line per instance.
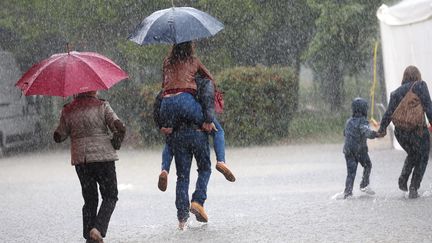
[413, 85]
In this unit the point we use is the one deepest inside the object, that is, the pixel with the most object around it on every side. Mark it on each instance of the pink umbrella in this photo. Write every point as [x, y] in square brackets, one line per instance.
[71, 73]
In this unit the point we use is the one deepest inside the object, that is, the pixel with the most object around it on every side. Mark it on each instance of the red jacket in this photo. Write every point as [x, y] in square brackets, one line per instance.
[180, 76]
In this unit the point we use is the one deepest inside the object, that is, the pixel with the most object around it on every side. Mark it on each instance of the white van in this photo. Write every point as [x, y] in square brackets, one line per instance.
[19, 118]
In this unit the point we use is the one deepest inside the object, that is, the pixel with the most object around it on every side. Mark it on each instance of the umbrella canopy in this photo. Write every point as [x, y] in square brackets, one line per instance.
[71, 73]
[175, 25]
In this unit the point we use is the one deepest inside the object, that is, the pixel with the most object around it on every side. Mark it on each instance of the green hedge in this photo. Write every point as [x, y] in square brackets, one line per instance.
[149, 132]
[133, 103]
[317, 126]
[259, 103]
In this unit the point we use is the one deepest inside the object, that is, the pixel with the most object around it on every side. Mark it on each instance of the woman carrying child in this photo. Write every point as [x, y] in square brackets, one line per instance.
[185, 82]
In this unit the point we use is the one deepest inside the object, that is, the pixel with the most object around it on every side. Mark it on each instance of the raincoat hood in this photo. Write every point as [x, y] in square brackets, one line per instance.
[359, 107]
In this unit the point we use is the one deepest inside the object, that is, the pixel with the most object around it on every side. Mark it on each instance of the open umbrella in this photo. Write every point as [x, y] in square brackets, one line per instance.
[65, 74]
[175, 25]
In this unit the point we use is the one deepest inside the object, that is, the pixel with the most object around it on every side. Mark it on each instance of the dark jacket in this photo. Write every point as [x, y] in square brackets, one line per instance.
[420, 89]
[205, 96]
[357, 129]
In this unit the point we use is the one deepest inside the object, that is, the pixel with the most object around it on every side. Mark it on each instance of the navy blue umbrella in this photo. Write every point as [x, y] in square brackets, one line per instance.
[175, 25]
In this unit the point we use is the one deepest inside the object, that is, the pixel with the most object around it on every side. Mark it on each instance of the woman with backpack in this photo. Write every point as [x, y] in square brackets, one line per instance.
[410, 126]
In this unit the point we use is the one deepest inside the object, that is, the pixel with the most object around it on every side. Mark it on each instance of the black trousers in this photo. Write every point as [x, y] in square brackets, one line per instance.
[90, 175]
[416, 144]
[352, 160]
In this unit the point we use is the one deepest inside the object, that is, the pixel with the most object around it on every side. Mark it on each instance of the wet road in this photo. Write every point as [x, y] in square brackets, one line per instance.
[282, 194]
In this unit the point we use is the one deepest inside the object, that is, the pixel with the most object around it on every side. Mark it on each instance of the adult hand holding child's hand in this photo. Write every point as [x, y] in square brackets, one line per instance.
[381, 134]
[166, 130]
[209, 127]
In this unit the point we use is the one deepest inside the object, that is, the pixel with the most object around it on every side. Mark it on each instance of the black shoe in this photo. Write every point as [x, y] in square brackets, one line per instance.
[413, 194]
[347, 195]
[403, 185]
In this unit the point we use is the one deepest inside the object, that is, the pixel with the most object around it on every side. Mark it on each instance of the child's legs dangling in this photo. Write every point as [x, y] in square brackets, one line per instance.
[219, 147]
[167, 157]
[219, 141]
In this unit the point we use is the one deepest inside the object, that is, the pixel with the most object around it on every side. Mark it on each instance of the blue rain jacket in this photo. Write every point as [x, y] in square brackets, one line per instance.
[357, 129]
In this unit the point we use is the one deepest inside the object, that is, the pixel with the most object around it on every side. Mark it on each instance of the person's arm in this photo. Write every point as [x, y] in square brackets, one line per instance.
[62, 132]
[367, 131]
[423, 93]
[205, 94]
[344, 131]
[156, 110]
[116, 126]
[202, 70]
[386, 119]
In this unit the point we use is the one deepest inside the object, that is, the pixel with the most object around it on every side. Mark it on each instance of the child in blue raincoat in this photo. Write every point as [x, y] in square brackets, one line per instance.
[356, 131]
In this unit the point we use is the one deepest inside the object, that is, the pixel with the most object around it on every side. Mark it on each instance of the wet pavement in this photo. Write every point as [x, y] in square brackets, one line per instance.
[282, 194]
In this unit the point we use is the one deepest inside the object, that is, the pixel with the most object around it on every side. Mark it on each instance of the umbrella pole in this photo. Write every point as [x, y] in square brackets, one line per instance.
[67, 47]
[172, 2]
[374, 81]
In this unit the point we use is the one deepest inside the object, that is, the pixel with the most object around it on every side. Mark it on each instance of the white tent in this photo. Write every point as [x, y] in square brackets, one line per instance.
[406, 37]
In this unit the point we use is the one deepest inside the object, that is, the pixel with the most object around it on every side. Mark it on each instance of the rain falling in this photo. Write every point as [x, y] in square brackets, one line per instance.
[215, 121]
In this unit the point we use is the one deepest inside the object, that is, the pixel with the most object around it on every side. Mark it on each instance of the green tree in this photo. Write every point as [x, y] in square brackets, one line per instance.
[287, 35]
[342, 43]
[261, 32]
